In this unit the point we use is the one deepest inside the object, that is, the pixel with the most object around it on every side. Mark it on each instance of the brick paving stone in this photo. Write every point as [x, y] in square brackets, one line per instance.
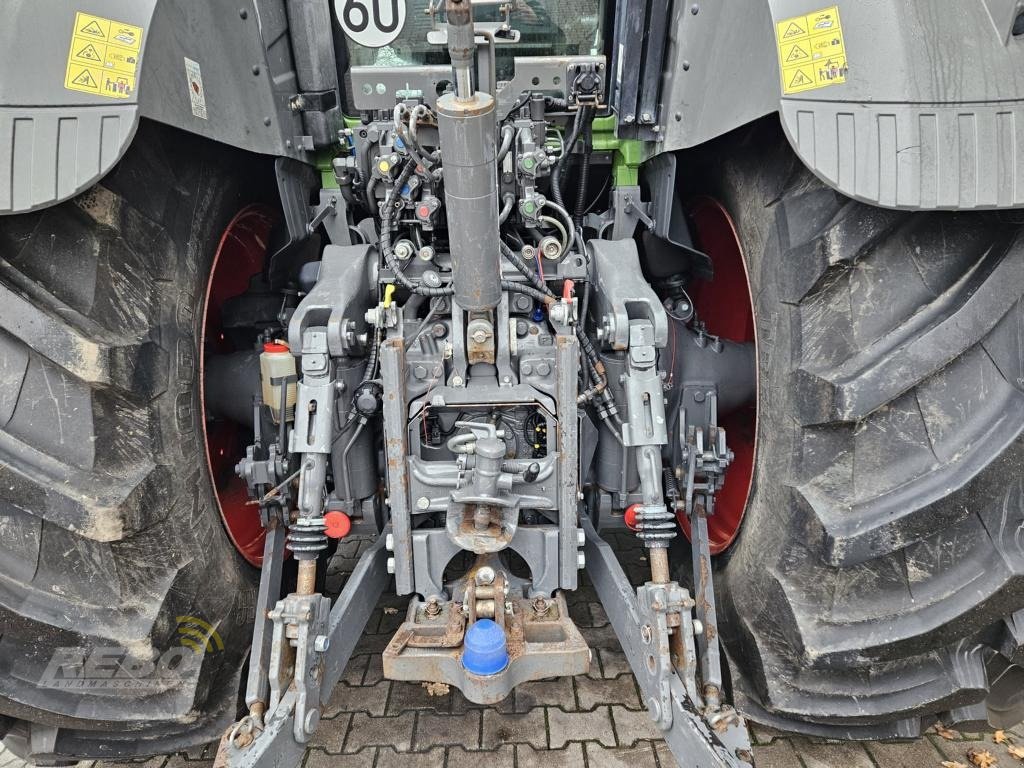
[539, 693]
[957, 750]
[633, 725]
[182, 760]
[598, 617]
[444, 730]
[846, 754]
[591, 692]
[372, 699]
[408, 696]
[374, 670]
[387, 757]
[366, 731]
[153, 762]
[526, 728]
[779, 754]
[564, 727]
[461, 704]
[355, 670]
[640, 756]
[906, 754]
[762, 734]
[503, 757]
[613, 662]
[330, 735]
[570, 757]
[591, 721]
[317, 758]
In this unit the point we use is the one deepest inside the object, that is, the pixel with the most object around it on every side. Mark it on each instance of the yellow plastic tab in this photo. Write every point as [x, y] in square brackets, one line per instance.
[389, 292]
[811, 51]
[104, 57]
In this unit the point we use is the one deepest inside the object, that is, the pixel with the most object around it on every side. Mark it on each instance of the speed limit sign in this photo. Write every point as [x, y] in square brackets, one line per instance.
[371, 23]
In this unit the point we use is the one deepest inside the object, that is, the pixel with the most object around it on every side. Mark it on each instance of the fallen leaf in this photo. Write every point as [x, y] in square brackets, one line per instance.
[390, 611]
[946, 733]
[1000, 737]
[1017, 752]
[953, 764]
[981, 758]
[440, 689]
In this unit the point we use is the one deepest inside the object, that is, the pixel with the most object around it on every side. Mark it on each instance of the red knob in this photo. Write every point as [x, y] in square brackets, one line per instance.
[338, 524]
[630, 516]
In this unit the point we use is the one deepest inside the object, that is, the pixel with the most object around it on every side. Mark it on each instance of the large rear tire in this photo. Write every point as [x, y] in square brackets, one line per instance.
[877, 581]
[110, 536]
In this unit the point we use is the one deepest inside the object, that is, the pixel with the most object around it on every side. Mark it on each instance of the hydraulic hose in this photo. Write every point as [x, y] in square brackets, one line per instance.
[385, 240]
[584, 178]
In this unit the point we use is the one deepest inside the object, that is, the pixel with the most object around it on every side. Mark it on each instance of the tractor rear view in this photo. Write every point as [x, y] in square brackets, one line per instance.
[478, 282]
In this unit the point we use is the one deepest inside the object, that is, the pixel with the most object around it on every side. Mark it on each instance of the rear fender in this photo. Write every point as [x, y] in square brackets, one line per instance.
[928, 113]
[56, 141]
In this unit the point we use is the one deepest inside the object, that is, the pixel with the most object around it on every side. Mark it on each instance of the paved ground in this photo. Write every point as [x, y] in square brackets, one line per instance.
[591, 721]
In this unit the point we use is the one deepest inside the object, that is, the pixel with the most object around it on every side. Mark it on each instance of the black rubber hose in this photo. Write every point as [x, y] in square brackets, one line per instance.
[528, 290]
[556, 172]
[584, 179]
[518, 262]
[385, 239]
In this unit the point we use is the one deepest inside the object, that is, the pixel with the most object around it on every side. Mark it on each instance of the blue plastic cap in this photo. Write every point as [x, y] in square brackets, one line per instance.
[538, 314]
[485, 651]
[399, 144]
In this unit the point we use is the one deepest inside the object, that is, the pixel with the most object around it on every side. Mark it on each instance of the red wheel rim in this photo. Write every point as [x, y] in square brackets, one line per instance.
[726, 306]
[240, 255]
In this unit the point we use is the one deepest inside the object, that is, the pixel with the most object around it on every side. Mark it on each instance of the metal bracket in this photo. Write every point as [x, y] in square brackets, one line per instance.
[273, 744]
[640, 620]
[302, 620]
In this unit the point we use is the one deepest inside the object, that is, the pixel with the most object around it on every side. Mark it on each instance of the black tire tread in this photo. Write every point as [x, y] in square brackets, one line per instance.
[109, 527]
[880, 567]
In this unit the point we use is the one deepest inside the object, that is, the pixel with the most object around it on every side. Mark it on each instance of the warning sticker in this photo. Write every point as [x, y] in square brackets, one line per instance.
[104, 57]
[811, 51]
[196, 92]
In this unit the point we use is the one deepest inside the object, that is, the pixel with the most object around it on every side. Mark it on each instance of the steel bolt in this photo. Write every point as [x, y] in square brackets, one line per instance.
[391, 565]
[433, 606]
[389, 542]
[419, 372]
[581, 561]
[422, 503]
[543, 369]
[526, 369]
[480, 336]
[456, 381]
[439, 331]
[321, 643]
[485, 575]
[540, 606]
[646, 634]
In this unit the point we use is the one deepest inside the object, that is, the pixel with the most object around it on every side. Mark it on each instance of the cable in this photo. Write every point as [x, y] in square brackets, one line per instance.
[570, 228]
[584, 179]
[385, 240]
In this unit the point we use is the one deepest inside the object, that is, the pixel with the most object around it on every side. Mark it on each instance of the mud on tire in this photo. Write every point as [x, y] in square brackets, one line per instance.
[109, 532]
[878, 581]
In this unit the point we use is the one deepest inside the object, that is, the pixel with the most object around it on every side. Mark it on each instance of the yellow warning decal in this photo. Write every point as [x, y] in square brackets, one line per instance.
[104, 57]
[811, 51]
